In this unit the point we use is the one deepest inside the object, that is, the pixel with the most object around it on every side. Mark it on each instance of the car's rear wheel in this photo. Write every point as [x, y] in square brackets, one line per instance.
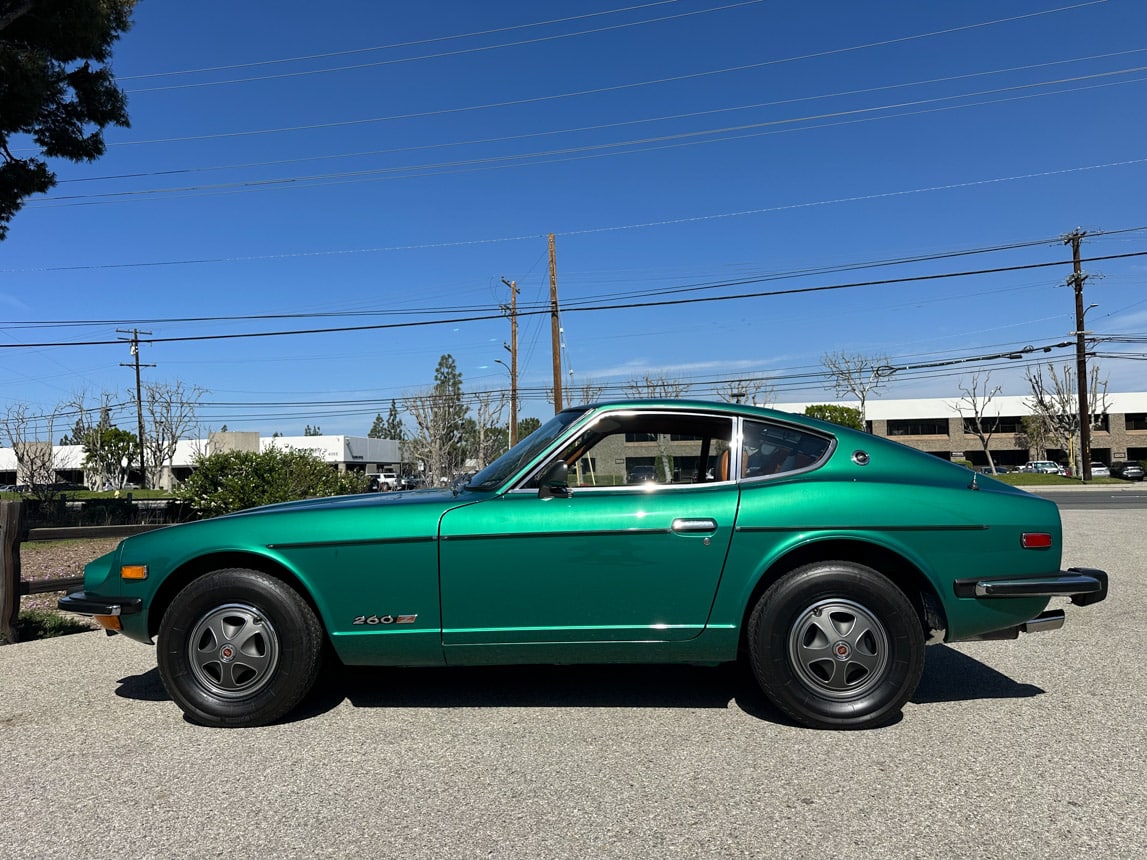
[836, 645]
[238, 648]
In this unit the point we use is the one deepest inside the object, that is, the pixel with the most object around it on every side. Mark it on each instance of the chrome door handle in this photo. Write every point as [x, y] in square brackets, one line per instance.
[694, 524]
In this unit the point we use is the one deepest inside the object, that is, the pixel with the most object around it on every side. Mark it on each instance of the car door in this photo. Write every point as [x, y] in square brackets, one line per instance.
[610, 562]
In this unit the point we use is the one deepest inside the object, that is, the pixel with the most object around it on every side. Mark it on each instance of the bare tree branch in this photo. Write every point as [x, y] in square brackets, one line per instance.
[856, 375]
[974, 403]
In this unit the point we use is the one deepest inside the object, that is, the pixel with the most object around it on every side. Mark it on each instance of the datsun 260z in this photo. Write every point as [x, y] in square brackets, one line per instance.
[637, 532]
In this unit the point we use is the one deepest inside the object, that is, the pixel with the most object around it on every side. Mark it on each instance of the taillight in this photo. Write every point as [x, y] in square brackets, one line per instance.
[1035, 540]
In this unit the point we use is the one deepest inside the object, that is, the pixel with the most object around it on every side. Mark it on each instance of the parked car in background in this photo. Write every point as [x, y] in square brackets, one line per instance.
[1128, 470]
[993, 470]
[384, 482]
[1043, 467]
[1100, 470]
[826, 557]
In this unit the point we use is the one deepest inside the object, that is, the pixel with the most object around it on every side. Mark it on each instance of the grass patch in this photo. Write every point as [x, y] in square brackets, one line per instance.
[46, 624]
[1035, 479]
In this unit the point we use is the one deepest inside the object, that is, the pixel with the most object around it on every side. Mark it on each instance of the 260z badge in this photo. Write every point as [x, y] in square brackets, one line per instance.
[371, 620]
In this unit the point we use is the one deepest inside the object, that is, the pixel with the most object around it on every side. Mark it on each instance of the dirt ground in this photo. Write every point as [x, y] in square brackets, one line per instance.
[56, 559]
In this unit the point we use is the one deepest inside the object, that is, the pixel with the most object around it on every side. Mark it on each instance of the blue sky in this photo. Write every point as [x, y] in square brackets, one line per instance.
[386, 163]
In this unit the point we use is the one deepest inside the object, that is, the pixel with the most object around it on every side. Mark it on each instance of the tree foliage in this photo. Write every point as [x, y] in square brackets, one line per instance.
[55, 88]
[845, 416]
[236, 480]
[439, 414]
[527, 426]
[389, 428]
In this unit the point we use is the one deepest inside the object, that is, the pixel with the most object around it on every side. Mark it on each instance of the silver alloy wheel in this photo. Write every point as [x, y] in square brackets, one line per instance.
[838, 648]
[233, 650]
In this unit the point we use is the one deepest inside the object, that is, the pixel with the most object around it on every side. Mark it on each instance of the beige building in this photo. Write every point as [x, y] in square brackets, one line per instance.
[937, 426]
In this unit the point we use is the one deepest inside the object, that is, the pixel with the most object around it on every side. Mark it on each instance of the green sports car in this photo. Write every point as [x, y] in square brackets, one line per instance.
[640, 532]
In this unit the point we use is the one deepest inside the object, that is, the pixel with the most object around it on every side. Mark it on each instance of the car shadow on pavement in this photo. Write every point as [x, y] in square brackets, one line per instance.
[951, 676]
[147, 687]
[596, 686]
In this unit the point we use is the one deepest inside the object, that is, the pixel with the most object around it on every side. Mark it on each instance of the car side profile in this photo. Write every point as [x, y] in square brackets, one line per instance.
[1128, 470]
[824, 557]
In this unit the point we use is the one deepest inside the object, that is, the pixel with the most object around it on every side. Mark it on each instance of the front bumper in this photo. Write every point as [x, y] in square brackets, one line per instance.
[79, 603]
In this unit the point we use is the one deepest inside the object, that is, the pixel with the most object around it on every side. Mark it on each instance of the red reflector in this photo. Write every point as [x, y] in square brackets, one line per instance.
[1035, 540]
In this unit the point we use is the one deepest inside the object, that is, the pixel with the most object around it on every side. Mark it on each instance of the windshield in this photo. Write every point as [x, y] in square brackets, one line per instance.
[494, 475]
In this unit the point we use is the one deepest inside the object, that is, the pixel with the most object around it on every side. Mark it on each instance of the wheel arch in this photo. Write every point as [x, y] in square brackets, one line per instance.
[188, 572]
[901, 571]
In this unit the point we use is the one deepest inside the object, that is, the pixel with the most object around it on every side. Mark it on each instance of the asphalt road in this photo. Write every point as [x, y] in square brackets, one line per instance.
[1025, 749]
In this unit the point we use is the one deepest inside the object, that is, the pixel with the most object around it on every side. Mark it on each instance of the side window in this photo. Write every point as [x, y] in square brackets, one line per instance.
[644, 449]
[773, 449]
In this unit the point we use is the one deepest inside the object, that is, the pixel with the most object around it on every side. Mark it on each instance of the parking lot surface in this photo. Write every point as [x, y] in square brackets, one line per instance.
[1032, 748]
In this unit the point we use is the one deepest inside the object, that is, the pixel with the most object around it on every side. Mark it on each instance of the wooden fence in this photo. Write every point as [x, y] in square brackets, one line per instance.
[13, 532]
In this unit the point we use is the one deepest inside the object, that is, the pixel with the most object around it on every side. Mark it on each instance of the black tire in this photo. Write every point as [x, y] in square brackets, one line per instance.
[836, 645]
[238, 648]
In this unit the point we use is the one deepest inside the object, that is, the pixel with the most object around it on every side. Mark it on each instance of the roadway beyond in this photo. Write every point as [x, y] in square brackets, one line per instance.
[1025, 749]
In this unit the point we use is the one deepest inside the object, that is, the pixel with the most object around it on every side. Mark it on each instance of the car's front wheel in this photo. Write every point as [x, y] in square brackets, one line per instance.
[836, 645]
[238, 648]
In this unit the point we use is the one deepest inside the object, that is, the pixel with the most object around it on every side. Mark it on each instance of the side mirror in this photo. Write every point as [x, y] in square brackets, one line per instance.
[553, 483]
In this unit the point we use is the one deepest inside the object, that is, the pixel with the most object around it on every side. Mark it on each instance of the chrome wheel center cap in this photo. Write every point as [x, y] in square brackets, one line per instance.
[842, 650]
[227, 653]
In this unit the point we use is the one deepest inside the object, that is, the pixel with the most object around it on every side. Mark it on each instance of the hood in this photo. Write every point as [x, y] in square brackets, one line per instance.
[362, 501]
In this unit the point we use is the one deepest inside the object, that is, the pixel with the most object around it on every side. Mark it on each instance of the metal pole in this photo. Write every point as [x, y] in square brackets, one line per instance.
[1077, 279]
[555, 326]
[513, 348]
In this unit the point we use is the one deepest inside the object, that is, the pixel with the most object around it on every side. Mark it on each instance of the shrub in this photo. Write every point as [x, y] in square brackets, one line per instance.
[235, 480]
[845, 416]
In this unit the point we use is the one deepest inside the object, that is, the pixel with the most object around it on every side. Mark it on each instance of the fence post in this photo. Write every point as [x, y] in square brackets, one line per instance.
[11, 533]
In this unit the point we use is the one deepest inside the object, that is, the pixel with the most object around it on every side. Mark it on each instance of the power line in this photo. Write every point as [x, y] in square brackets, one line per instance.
[496, 313]
[443, 54]
[393, 45]
[516, 159]
[816, 55]
[541, 302]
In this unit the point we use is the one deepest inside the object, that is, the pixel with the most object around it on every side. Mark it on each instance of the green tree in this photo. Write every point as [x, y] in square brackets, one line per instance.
[312, 431]
[394, 428]
[107, 453]
[439, 415]
[389, 428]
[845, 416]
[527, 426]
[236, 480]
[55, 88]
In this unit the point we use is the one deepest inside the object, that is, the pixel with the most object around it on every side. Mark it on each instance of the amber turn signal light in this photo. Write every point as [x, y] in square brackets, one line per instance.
[133, 571]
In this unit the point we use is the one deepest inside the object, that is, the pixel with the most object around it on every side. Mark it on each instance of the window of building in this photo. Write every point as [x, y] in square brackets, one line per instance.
[918, 427]
[1003, 424]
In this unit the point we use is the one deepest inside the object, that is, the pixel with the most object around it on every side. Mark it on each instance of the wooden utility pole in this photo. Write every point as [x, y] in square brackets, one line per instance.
[1076, 280]
[555, 327]
[513, 348]
[135, 333]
